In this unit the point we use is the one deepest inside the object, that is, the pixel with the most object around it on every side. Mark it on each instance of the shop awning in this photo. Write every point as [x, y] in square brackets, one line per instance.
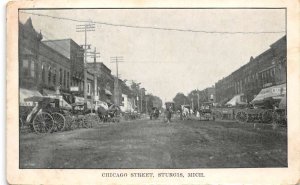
[236, 100]
[26, 93]
[47, 92]
[275, 92]
[107, 92]
[81, 100]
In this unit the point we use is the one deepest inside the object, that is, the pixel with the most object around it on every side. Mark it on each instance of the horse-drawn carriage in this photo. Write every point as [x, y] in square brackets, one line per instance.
[108, 112]
[46, 115]
[206, 112]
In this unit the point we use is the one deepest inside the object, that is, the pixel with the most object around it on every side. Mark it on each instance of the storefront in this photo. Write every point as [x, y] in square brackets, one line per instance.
[26, 93]
[277, 92]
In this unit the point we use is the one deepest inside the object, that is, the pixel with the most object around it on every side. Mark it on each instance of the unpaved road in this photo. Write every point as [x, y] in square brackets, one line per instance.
[155, 144]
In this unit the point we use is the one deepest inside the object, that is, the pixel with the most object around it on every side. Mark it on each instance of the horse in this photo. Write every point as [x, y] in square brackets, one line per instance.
[185, 113]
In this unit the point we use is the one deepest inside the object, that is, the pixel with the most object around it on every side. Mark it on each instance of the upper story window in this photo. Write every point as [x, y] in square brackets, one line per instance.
[60, 76]
[43, 73]
[65, 76]
[54, 76]
[49, 74]
[68, 79]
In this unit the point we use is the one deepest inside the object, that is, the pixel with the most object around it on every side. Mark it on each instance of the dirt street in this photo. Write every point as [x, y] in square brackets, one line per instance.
[155, 144]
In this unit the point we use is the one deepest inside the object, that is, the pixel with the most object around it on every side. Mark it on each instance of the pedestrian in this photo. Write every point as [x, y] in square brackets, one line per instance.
[168, 114]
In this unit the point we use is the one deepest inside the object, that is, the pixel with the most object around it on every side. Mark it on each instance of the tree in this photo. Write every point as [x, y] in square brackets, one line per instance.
[180, 99]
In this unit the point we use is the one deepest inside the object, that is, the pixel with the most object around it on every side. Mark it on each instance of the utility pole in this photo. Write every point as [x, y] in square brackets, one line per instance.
[193, 103]
[146, 98]
[198, 99]
[141, 100]
[94, 55]
[117, 60]
[85, 28]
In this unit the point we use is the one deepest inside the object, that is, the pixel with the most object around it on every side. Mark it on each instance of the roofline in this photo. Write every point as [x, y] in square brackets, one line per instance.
[56, 51]
[254, 58]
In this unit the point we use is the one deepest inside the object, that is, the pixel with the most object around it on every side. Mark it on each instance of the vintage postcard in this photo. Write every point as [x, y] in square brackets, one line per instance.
[153, 92]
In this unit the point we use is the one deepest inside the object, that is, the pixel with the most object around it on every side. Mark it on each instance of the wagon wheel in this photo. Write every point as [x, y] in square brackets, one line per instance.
[59, 121]
[69, 120]
[241, 116]
[43, 123]
[74, 122]
[267, 116]
[87, 121]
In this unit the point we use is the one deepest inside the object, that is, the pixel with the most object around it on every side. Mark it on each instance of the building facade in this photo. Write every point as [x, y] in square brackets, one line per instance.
[72, 51]
[267, 69]
[105, 81]
[41, 67]
[29, 62]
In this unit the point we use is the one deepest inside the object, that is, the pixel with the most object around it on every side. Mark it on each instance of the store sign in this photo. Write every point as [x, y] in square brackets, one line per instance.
[74, 88]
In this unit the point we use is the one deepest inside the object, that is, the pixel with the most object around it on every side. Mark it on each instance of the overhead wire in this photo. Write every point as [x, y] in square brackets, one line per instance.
[154, 28]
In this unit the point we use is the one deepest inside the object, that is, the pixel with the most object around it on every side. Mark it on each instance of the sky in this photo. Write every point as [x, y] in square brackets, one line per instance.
[166, 62]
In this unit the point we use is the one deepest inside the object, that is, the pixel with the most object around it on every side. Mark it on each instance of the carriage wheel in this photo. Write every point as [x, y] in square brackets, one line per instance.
[241, 117]
[86, 121]
[75, 122]
[59, 121]
[267, 116]
[43, 123]
[69, 120]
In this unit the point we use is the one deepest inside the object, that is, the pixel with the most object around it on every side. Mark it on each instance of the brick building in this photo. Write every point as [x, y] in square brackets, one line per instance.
[105, 81]
[75, 54]
[41, 68]
[267, 69]
[29, 43]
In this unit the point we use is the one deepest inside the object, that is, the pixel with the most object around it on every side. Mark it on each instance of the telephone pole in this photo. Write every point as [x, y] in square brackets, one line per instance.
[85, 28]
[116, 60]
[198, 99]
[95, 55]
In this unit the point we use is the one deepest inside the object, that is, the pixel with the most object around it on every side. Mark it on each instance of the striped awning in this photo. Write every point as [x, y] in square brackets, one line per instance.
[275, 92]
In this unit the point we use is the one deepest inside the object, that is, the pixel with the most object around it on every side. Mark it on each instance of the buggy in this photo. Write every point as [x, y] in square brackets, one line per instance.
[46, 116]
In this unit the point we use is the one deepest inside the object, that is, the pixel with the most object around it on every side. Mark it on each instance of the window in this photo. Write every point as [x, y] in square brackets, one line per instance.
[65, 75]
[25, 64]
[68, 80]
[54, 76]
[49, 74]
[88, 88]
[32, 69]
[60, 76]
[43, 73]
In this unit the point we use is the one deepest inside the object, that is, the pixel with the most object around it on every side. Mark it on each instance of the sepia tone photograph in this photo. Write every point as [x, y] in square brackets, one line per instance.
[152, 88]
